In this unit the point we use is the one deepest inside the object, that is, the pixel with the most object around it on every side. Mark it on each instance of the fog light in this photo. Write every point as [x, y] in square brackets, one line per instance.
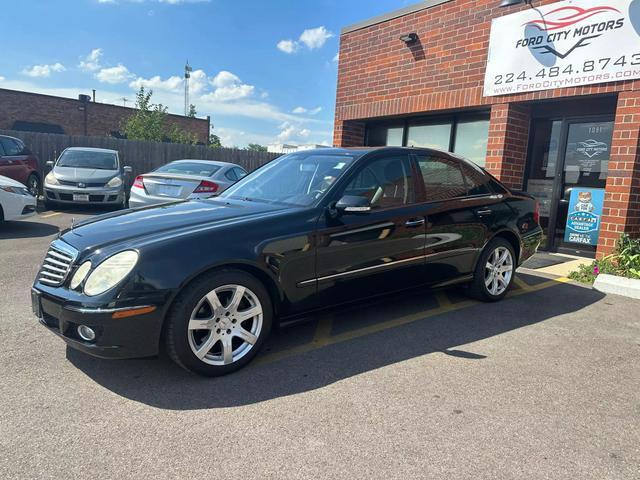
[86, 333]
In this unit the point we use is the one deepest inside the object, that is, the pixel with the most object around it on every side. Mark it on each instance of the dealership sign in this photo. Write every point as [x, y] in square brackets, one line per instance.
[583, 219]
[564, 44]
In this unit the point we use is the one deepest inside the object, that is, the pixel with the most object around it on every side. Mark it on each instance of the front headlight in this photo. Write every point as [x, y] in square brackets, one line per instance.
[78, 277]
[110, 272]
[51, 179]
[114, 182]
[16, 190]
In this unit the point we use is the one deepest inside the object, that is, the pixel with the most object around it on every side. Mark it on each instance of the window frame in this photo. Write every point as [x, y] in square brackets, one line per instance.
[358, 168]
[10, 140]
[455, 118]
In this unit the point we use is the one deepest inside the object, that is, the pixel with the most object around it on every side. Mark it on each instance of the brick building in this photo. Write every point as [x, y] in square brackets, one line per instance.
[417, 77]
[45, 113]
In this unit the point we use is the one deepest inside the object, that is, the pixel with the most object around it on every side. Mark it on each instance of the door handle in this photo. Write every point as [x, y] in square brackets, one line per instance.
[484, 212]
[414, 222]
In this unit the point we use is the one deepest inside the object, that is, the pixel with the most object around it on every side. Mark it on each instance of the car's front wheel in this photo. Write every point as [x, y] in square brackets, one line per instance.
[494, 271]
[218, 324]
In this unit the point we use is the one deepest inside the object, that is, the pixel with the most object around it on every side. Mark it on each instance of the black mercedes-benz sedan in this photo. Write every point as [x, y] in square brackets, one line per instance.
[207, 279]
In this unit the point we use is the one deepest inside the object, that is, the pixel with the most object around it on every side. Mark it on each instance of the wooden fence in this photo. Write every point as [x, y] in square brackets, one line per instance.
[140, 155]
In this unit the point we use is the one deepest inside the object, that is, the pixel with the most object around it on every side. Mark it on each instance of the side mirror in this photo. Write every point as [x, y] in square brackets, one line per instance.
[49, 164]
[353, 204]
[127, 169]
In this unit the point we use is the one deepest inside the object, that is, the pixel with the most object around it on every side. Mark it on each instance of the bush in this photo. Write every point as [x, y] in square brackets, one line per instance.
[624, 262]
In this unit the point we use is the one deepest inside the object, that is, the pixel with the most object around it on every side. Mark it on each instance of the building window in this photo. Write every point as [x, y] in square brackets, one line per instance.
[471, 140]
[385, 136]
[430, 136]
[465, 133]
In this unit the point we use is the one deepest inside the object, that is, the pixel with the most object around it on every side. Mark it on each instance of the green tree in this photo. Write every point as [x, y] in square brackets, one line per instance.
[214, 141]
[150, 122]
[256, 147]
[192, 111]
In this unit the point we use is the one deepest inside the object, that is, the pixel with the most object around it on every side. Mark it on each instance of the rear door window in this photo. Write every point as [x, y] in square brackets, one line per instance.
[240, 173]
[442, 178]
[477, 182]
[231, 175]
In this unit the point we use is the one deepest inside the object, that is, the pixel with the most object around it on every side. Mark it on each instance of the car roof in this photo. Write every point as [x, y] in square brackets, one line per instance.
[210, 162]
[92, 149]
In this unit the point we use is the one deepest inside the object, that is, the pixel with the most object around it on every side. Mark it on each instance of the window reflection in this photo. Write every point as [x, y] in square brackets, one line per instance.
[430, 136]
[471, 140]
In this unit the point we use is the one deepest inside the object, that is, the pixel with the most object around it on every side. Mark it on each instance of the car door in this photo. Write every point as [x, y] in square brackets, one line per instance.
[13, 162]
[375, 252]
[455, 233]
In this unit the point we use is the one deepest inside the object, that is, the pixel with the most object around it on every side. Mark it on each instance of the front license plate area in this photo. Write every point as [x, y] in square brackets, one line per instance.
[36, 306]
[80, 197]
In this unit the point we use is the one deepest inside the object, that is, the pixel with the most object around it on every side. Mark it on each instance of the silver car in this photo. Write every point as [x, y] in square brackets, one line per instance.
[86, 176]
[184, 179]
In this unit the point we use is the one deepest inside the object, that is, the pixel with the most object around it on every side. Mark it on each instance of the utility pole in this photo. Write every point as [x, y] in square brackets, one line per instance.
[124, 101]
[187, 76]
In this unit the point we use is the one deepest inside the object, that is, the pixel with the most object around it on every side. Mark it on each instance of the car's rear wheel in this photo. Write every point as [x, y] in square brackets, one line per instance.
[218, 324]
[494, 271]
[33, 185]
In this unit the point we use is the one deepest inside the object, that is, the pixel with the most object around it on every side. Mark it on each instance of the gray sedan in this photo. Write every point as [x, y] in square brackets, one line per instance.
[86, 175]
[184, 179]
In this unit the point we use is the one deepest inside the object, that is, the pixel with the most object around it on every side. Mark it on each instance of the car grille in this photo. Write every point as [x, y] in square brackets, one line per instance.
[57, 263]
[86, 184]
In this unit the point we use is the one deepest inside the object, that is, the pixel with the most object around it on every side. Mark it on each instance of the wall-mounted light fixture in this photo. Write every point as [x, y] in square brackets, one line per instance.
[510, 3]
[409, 38]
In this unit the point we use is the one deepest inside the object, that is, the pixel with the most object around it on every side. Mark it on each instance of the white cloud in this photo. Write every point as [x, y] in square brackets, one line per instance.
[301, 110]
[91, 62]
[336, 57]
[315, 37]
[287, 46]
[312, 38]
[228, 86]
[43, 70]
[289, 131]
[113, 75]
[2, 78]
[198, 81]
[171, 84]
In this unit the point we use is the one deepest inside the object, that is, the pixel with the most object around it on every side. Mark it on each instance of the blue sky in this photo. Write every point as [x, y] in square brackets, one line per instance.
[264, 70]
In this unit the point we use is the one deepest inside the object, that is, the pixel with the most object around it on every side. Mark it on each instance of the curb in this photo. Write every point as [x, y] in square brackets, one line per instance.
[627, 287]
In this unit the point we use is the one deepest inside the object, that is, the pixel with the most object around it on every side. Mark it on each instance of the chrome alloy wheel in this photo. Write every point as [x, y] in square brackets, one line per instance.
[498, 271]
[225, 325]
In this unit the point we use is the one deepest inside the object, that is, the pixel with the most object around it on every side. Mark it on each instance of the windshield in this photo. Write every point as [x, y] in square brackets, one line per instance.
[189, 168]
[295, 179]
[88, 159]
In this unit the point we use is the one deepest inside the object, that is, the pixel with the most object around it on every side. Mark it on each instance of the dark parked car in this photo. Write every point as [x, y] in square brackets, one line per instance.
[18, 163]
[312, 229]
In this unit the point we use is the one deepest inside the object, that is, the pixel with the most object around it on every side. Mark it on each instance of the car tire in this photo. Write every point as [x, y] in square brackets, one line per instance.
[494, 272]
[33, 185]
[204, 329]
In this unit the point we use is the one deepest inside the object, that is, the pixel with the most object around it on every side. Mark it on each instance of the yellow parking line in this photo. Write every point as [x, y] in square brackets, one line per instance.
[323, 332]
[50, 215]
[521, 283]
[443, 299]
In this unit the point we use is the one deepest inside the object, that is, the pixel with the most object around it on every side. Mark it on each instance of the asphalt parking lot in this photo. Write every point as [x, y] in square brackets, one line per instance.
[545, 384]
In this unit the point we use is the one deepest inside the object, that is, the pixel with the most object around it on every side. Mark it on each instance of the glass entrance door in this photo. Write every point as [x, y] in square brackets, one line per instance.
[568, 166]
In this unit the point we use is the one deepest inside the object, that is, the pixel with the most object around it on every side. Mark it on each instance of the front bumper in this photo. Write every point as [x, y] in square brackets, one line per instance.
[21, 207]
[100, 196]
[132, 337]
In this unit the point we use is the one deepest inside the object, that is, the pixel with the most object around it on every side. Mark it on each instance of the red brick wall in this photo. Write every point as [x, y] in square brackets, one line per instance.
[380, 76]
[102, 119]
[621, 211]
[507, 142]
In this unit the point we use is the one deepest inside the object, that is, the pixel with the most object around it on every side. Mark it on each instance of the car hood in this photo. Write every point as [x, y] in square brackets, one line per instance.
[10, 182]
[74, 174]
[142, 225]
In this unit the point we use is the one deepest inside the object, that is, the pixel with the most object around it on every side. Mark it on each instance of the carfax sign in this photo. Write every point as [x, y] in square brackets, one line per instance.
[583, 219]
[564, 44]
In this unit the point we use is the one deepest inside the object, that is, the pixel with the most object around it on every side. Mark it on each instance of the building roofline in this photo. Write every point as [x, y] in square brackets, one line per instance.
[391, 15]
[110, 105]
